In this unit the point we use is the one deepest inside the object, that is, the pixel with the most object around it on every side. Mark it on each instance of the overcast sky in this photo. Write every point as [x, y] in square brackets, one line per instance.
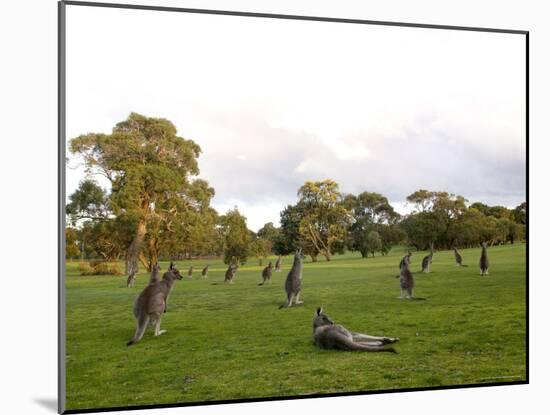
[274, 103]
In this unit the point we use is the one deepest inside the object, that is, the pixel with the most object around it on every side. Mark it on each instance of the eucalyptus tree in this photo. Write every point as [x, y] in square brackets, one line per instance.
[370, 212]
[150, 169]
[324, 217]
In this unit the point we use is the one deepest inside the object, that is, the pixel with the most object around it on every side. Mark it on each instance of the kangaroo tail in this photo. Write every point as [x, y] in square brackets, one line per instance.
[360, 347]
[140, 331]
[261, 283]
[462, 265]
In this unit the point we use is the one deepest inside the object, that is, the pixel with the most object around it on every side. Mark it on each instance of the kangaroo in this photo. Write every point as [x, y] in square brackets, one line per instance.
[328, 335]
[190, 272]
[484, 260]
[151, 304]
[278, 264]
[458, 258]
[406, 259]
[230, 273]
[155, 274]
[293, 283]
[204, 272]
[406, 281]
[267, 273]
[427, 260]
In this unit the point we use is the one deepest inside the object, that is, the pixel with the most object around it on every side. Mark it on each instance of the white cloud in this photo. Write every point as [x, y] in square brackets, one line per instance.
[273, 103]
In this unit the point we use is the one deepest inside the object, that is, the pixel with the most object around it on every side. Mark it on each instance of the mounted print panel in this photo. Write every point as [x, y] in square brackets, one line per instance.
[261, 207]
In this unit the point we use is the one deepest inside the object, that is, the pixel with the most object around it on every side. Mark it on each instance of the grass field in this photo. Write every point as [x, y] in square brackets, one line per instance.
[232, 342]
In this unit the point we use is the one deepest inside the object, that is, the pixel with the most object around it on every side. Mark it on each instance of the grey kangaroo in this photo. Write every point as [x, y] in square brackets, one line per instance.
[204, 272]
[406, 259]
[458, 258]
[155, 276]
[328, 335]
[484, 260]
[230, 273]
[151, 304]
[427, 260]
[190, 272]
[267, 272]
[278, 264]
[406, 281]
[293, 283]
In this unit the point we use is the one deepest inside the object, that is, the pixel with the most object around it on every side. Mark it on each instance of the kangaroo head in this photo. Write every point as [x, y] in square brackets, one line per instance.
[173, 273]
[299, 254]
[484, 244]
[270, 265]
[320, 319]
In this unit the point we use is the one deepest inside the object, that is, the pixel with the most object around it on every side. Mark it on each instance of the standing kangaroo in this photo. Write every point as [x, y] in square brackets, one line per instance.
[427, 260]
[267, 273]
[458, 258]
[484, 260]
[204, 272]
[278, 264]
[406, 281]
[328, 335]
[155, 274]
[190, 272]
[406, 259]
[151, 304]
[293, 283]
[230, 273]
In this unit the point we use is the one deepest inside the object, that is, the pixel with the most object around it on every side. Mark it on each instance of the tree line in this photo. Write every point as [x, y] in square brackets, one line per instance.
[159, 208]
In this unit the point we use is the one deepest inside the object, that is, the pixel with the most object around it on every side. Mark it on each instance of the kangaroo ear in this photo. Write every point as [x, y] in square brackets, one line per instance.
[319, 310]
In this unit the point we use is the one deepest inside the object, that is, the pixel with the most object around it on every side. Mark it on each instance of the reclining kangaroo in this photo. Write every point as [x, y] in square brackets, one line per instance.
[328, 335]
[151, 304]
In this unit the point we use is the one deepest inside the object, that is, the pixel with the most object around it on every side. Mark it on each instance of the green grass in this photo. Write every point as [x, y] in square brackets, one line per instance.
[232, 341]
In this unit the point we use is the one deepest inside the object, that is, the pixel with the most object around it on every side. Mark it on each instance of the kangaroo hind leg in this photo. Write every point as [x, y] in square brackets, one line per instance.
[158, 331]
[365, 338]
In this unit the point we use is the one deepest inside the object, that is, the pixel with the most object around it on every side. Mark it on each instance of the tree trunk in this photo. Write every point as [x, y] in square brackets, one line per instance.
[153, 254]
[132, 255]
[144, 261]
[313, 258]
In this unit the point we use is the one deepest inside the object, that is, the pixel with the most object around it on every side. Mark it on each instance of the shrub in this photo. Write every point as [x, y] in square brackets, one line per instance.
[99, 268]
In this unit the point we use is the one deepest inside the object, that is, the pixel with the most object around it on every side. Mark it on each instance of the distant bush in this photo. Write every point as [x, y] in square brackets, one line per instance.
[85, 269]
[99, 268]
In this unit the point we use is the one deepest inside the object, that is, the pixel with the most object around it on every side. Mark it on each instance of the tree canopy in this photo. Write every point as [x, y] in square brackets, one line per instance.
[150, 169]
